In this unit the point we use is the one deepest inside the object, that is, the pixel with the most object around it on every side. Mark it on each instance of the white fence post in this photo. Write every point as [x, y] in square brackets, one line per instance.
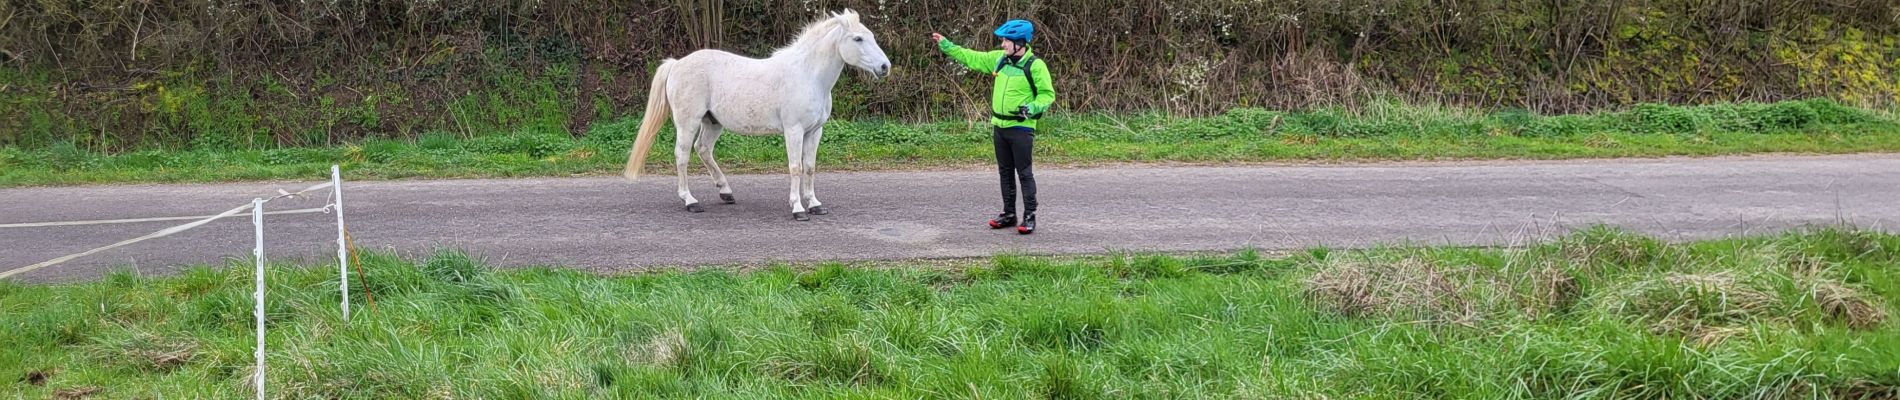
[342, 251]
[257, 219]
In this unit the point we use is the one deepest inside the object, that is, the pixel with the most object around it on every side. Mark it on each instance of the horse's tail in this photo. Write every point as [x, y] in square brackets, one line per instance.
[656, 115]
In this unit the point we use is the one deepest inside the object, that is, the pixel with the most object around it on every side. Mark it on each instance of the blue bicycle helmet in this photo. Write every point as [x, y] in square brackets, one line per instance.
[1017, 30]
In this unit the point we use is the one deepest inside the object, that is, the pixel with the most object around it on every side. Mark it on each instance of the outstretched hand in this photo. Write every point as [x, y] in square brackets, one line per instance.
[935, 37]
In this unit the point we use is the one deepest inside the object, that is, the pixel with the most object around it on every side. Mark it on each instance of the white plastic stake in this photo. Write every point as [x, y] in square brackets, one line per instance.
[342, 252]
[257, 219]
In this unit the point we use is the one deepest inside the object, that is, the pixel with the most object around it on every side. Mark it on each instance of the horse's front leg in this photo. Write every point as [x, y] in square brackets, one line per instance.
[810, 161]
[794, 157]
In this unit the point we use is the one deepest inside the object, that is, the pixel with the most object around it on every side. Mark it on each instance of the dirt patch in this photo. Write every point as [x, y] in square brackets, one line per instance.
[1850, 306]
[1866, 390]
[82, 392]
[667, 350]
[38, 377]
[147, 352]
[1552, 290]
[1423, 289]
[1701, 304]
[1408, 287]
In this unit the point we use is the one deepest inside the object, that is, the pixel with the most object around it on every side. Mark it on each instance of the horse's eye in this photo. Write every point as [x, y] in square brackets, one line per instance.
[860, 38]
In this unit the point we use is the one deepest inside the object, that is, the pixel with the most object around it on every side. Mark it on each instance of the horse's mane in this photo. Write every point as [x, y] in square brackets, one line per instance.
[816, 30]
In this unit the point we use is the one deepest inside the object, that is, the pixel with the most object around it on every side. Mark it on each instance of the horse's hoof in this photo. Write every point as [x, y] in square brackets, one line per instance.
[695, 208]
[800, 216]
[819, 210]
[728, 198]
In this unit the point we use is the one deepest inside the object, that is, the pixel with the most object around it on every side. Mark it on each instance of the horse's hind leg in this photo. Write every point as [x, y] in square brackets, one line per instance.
[684, 132]
[709, 136]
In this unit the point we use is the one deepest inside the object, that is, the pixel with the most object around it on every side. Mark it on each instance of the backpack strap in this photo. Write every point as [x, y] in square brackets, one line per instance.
[1028, 63]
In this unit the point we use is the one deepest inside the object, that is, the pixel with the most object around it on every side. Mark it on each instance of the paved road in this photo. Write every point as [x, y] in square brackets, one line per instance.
[606, 224]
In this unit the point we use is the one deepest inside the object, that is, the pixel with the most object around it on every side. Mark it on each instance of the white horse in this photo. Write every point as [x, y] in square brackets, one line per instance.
[709, 91]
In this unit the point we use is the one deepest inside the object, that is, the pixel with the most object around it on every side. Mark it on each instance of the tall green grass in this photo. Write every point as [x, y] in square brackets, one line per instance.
[1598, 314]
[1383, 131]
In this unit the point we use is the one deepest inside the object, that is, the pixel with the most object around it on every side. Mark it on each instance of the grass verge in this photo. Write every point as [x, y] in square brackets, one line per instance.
[1383, 131]
[1598, 314]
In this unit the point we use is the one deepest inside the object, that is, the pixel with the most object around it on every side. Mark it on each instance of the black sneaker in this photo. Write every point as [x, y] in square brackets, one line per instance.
[1029, 225]
[1003, 220]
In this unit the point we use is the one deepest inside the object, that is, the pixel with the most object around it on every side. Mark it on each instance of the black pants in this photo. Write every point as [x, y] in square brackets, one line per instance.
[1013, 161]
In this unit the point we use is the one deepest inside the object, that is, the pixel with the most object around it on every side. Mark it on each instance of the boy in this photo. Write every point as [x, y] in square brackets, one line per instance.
[1021, 94]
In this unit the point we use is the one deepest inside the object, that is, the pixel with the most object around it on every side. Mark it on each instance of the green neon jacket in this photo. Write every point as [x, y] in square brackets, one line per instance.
[1012, 86]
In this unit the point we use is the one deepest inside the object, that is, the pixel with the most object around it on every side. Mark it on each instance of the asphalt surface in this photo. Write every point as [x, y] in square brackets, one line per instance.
[610, 225]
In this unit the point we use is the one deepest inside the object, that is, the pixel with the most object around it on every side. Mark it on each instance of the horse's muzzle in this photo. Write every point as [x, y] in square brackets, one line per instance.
[883, 70]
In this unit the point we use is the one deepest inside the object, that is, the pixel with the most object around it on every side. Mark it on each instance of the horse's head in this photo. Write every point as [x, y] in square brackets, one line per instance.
[858, 46]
